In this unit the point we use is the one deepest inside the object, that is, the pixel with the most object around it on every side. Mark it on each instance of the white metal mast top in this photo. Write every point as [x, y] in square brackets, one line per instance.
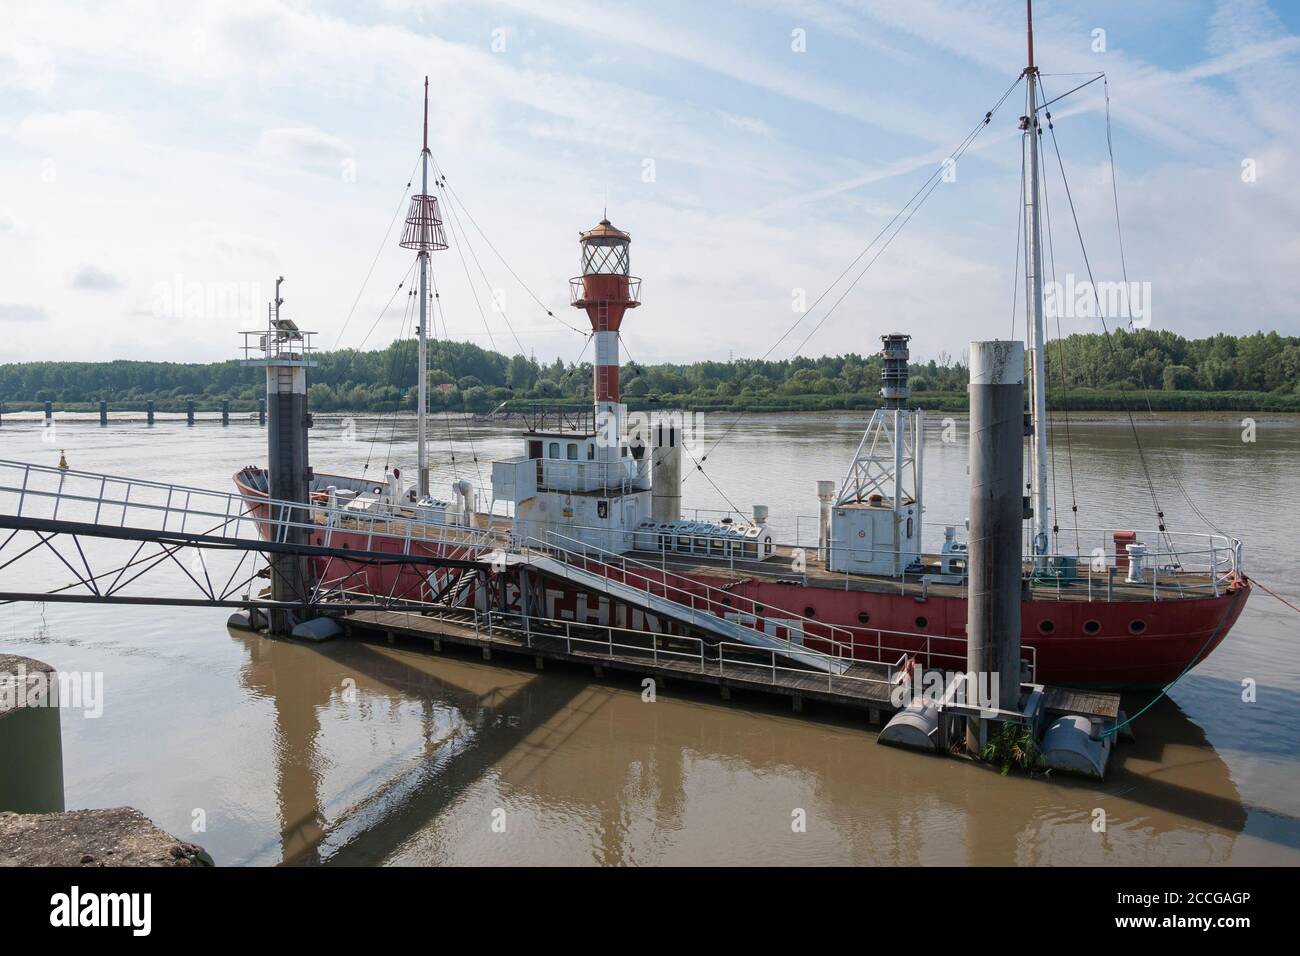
[1034, 304]
[422, 387]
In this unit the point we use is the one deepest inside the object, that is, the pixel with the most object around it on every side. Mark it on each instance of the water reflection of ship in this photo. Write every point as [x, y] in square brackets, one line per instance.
[628, 788]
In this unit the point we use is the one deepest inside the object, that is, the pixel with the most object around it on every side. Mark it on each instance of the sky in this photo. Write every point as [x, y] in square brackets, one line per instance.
[162, 163]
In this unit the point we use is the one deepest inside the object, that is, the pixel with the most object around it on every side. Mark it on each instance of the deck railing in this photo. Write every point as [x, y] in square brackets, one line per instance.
[1176, 563]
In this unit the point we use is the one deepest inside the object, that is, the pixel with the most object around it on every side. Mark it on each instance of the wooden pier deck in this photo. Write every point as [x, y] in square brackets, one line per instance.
[864, 686]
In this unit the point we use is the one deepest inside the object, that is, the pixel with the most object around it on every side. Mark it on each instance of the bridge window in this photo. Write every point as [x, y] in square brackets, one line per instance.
[591, 452]
[553, 451]
[572, 451]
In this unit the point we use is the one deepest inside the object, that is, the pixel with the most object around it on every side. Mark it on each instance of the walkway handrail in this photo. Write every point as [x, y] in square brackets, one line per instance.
[843, 646]
[219, 514]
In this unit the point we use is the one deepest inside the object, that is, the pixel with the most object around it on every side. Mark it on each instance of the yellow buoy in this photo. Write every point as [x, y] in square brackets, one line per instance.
[63, 461]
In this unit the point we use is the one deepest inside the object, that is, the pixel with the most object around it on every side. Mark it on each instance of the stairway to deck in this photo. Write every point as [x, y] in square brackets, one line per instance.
[562, 564]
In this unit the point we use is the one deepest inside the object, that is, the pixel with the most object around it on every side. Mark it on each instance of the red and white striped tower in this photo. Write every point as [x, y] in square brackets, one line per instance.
[606, 290]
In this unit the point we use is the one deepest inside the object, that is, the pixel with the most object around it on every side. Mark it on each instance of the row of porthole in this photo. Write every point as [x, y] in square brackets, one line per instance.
[1136, 626]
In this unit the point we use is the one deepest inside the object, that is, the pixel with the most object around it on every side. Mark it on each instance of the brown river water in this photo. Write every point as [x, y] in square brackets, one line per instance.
[269, 752]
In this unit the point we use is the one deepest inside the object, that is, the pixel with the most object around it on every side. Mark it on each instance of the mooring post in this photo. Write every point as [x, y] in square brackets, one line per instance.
[261, 411]
[148, 411]
[225, 412]
[30, 737]
[103, 412]
[997, 374]
[49, 412]
[286, 356]
[189, 412]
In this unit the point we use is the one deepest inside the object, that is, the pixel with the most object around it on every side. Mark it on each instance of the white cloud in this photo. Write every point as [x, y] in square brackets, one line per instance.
[20, 312]
[72, 129]
[93, 279]
[771, 172]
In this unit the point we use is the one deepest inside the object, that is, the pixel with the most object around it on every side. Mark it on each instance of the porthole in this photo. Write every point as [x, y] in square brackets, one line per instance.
[864, 617]
[921, 622]
[1137, 626]
[1046, 627]
[810, 611]
[1091, 627]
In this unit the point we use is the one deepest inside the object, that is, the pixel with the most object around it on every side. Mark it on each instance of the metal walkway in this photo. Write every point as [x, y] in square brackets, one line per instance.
[207, 544]
[865, 685]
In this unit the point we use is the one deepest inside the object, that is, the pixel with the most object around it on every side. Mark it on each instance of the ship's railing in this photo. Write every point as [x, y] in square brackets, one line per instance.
[563, 474]
[693, 594]
[872, 645]
[938, 650]
[1173, 562]
[1216, 555]
[58, 494]
[537, 632]
[746, 658]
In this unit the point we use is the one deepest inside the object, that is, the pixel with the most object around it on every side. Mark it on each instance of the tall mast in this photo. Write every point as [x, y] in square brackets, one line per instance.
[422, 388]
[1034, 303]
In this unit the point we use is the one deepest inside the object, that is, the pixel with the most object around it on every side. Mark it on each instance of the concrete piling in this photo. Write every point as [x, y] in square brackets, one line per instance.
[30, 736]
[148, 411]
[225, 413]
[103, 412]
[189, 412]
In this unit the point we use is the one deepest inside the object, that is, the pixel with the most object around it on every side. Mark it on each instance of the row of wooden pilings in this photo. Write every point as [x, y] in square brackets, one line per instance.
[150, 409]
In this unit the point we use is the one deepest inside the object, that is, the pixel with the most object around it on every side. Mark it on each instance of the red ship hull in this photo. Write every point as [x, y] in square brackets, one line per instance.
[1107, 644]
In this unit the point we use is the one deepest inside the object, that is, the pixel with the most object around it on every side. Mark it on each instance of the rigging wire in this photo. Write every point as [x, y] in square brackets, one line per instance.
[1173, 473]
[382, 243]
[470, 282]
[456, 198]
[434, 312]
[393, 376]
[408, 317]
[1137, 440]
[1020, 223]
[454, 222]
[387, 306]
[699, 464]
[929, 184]
[1062, 377]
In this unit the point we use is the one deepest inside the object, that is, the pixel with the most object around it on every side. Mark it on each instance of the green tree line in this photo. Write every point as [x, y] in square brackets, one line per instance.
[1258, 371]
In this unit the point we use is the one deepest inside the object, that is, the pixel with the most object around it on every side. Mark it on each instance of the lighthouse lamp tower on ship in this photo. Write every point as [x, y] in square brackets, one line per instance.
[584, 485]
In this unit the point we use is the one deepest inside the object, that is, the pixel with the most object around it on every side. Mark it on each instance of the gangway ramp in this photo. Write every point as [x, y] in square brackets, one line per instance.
[723, 629]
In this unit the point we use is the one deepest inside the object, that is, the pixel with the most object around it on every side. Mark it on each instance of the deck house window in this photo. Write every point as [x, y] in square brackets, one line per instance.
[554, 450]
